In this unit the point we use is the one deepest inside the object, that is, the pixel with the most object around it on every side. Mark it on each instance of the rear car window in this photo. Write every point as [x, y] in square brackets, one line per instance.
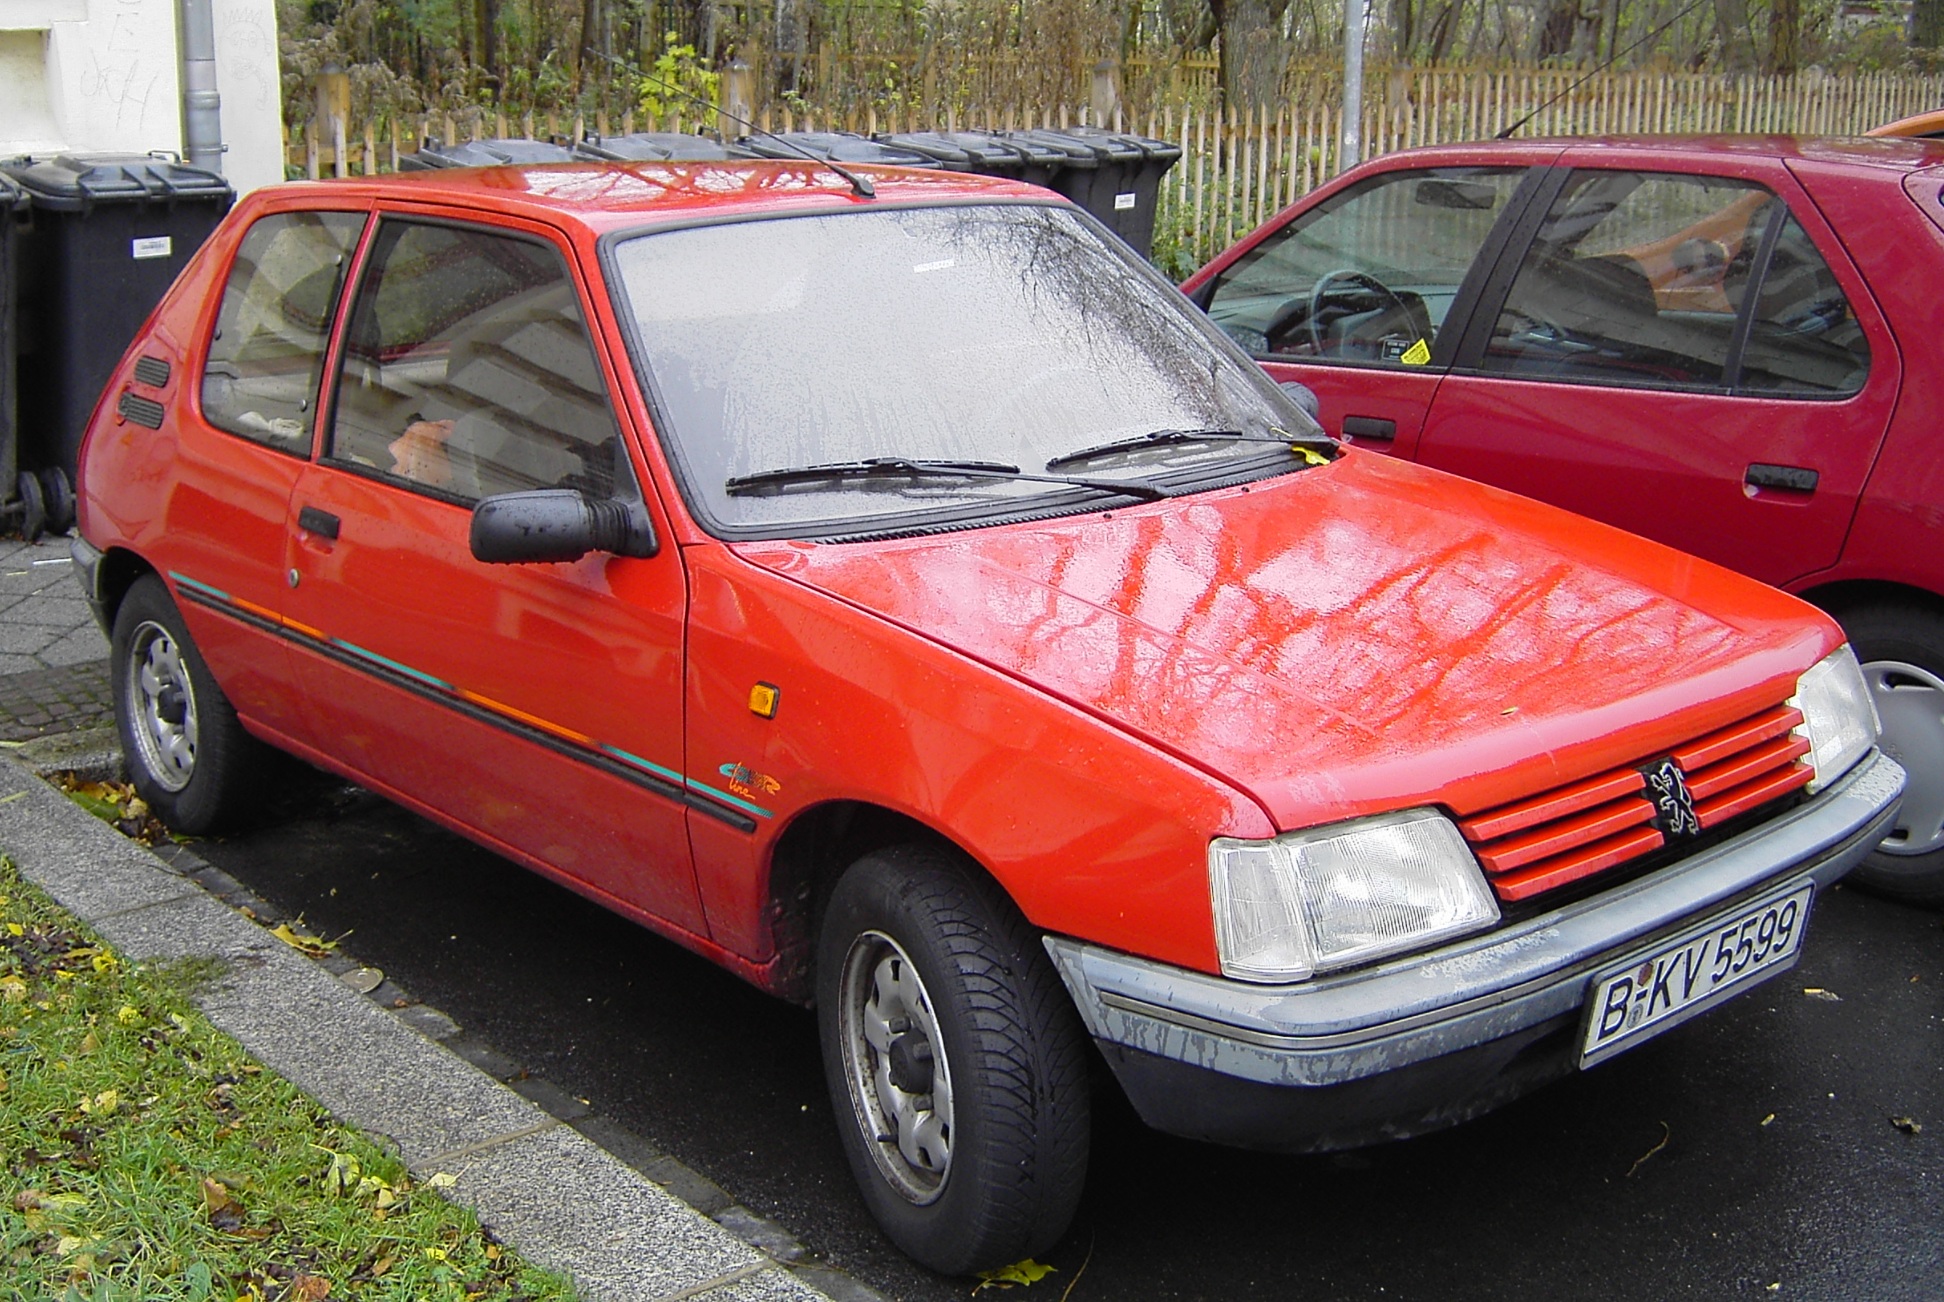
[267, 352]
[1369, 274]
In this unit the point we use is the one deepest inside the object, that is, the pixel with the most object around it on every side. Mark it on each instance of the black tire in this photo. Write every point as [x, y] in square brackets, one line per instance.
[33, 506]
[1000, 1173]
[58, 495]
[1901, 649]
[187, 755]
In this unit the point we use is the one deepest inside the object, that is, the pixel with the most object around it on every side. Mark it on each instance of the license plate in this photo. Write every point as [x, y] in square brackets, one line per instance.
[1664, 986]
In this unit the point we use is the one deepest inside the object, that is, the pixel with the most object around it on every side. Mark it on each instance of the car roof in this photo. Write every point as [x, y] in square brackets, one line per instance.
[1919, 124]
[1902, 155]
[609, 196]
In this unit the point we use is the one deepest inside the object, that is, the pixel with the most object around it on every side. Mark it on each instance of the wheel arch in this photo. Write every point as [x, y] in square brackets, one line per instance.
[812, 853]
[1847, 594]
[117, 573]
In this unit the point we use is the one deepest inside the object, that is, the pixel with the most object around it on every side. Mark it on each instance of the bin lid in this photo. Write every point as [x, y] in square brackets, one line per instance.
[838, 146]
[1155, 151]
[486, 153]
[978, 149]
[660, 146]
[1073, 153]
[73, 182]
[12, 197]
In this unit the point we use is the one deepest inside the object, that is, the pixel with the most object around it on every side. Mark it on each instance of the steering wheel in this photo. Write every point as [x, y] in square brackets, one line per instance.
[1321, 291]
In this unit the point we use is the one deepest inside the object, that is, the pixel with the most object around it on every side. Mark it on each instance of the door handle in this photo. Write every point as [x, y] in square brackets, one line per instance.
[1369, 427]
[321, 523]
[1797, 479]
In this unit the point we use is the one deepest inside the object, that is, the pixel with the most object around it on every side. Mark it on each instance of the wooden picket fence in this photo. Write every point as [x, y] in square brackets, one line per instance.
[1239, 168]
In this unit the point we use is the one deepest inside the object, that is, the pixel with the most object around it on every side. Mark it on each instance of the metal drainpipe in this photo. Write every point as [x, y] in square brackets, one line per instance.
[202, 107]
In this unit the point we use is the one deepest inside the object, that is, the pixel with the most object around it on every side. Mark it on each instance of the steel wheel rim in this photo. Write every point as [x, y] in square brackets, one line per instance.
[1910, 703]
[883, 1002]
[163, 701]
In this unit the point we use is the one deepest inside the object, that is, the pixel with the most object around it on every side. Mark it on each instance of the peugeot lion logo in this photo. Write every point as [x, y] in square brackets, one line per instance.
[1673, 802]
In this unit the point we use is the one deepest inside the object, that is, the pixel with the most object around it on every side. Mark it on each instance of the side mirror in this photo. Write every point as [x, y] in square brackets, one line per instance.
[1302, 395]
[557, 524]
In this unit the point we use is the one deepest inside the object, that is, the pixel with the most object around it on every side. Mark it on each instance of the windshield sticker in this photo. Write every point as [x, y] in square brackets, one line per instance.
[934, 266]
[1417, 354]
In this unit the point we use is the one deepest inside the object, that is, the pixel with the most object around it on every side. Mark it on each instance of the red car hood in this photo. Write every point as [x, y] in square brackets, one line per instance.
[1351, 638]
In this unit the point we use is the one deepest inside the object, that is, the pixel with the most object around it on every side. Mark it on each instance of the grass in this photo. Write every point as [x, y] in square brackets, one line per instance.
[144, 1155]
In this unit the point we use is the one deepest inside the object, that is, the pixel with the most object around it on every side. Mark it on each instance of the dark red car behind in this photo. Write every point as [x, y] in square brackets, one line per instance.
[1726, 343]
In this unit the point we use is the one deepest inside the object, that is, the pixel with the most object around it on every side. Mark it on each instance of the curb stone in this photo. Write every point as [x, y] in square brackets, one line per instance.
[569, 1189]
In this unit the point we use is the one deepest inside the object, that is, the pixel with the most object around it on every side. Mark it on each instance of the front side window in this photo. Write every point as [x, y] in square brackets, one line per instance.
[932, 368]
[267, 352]
[1631, 280]
[468, 371]
[1370, 274]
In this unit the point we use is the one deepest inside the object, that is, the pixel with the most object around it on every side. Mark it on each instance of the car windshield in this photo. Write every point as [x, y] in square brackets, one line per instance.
[1003, 335]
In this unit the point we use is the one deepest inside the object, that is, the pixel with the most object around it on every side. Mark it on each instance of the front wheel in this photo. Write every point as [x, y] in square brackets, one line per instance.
[187, 755]
[1901, 649]
[955, 1062]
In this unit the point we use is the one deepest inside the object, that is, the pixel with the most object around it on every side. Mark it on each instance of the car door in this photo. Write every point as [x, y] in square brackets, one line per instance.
[244, 442]
[1683, 350]
[1362, 295]
[536, 706]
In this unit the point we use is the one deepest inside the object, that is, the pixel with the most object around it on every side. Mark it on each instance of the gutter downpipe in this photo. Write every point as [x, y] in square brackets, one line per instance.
[202, 106]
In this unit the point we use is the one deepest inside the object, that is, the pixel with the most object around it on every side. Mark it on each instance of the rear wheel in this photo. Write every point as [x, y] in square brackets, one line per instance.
[1901, 649]
[955, 1062]
[187, 755]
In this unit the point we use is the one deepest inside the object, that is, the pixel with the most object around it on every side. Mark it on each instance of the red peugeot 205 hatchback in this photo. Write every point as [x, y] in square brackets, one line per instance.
[888, 587]
[1728, 344]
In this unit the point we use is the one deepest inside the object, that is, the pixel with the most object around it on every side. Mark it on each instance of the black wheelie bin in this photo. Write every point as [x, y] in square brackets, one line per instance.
[1114, 176]
[106, 236]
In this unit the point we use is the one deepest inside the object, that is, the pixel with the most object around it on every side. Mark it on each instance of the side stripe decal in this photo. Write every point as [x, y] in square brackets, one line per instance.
[664, 782]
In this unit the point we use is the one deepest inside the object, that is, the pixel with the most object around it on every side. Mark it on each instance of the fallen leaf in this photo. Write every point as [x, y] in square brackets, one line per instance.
[1770, 1117]
[1019, 1273]
[1827, 996]
[443, 1180]
[12, 989]
[308, 1288]
[313, 946]
[383, 1264]
[225, 1213]
[1908, 1125]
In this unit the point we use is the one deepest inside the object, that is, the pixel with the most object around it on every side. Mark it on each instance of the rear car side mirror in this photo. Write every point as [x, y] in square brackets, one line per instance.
[557, 524]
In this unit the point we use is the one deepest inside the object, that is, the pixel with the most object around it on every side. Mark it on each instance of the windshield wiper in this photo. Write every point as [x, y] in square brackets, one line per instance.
[1164, 437]
[907, 468]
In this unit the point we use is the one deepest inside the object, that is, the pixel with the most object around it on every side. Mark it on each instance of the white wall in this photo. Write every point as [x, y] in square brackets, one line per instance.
[90, 76]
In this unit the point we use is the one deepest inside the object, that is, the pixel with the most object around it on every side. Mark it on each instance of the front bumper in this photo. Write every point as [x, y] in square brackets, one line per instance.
[88, 571]
[1428, 1040]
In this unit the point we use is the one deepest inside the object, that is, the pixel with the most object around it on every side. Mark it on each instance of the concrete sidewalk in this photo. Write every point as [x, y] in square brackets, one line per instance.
[527, 1160]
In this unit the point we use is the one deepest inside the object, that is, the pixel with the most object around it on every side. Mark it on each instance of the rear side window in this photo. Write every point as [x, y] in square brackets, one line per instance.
[267, 353]
[1673, 281]
[1629, 281]
[1803, 337]
[467, 368]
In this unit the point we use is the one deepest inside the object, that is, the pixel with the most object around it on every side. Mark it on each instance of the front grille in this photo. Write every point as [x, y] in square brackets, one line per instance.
[1567, 834]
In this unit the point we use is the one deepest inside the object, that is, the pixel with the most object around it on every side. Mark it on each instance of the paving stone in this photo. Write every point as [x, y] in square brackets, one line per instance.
[47, 700]
[76, 647]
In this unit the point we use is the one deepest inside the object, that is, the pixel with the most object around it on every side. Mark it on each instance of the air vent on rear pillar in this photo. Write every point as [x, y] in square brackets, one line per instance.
[152, 371]
[143, 411]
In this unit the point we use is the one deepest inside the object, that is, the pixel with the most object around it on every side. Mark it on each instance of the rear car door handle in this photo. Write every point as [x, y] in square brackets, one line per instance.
[1369, 427]
[321, 523]
[1797, 479]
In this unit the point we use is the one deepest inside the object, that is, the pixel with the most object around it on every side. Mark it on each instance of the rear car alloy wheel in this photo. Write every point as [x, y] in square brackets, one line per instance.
[956, 1063]
[1902, 654]
[188, 757]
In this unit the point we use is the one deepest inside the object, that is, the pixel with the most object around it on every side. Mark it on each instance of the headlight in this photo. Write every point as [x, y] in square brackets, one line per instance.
[1838, 717]
[1331, 897]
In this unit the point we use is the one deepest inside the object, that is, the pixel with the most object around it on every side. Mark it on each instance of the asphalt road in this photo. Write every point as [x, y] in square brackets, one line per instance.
[1749, 1153]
